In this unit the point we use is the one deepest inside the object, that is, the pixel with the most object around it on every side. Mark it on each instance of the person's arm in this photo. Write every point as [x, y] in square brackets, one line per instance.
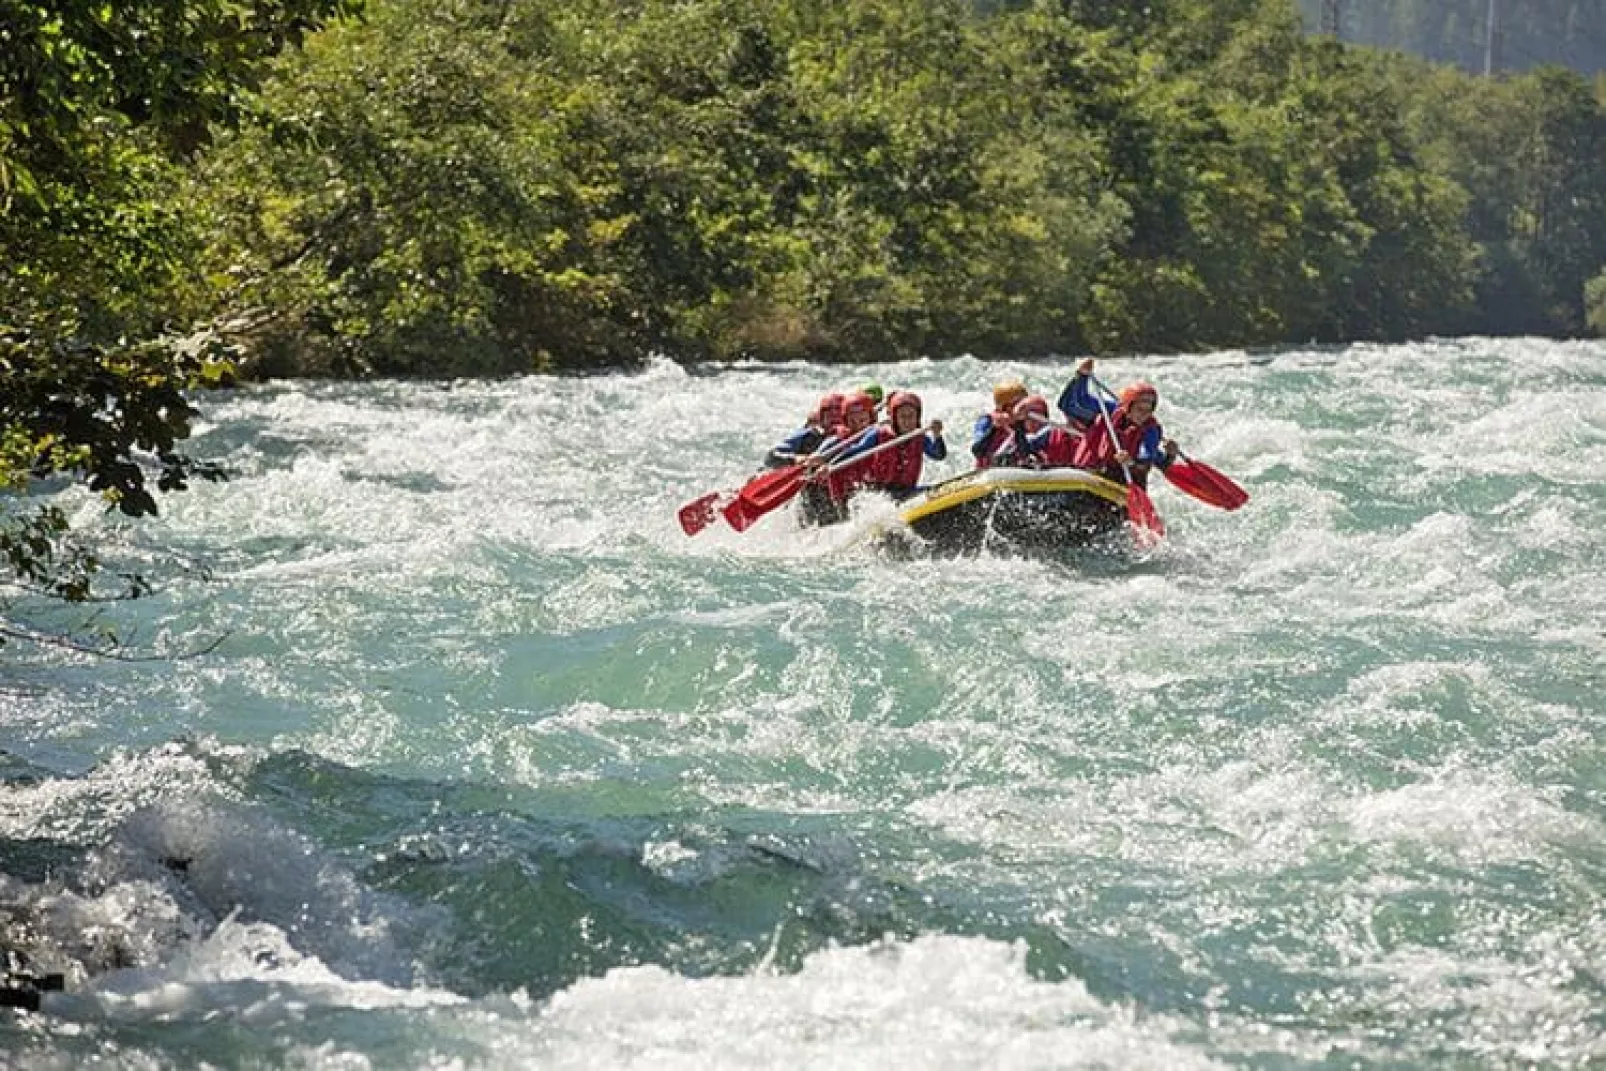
[794, 448]
[1036, 441]
[1078, 402]
[1151, 450]
[1012, 447]
[1028, 447]
[867, 438]
[981, 438]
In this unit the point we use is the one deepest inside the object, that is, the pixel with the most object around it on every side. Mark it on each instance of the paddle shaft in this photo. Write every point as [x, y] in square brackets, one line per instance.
[874, 450]
[696, 514]
[1109, 426]
[823, 454]
[748, 507]
[775, 474]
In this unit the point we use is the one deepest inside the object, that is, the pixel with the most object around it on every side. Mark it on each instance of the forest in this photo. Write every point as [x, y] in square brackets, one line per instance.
[198, 191]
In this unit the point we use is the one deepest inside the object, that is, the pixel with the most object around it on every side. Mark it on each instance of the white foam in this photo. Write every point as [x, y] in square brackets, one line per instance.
[935, 1002]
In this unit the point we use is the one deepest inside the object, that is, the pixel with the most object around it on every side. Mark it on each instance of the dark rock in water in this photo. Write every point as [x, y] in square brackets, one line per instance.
[22, 985]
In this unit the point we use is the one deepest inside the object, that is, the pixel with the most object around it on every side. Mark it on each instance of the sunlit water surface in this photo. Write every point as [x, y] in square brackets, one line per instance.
[495, 767]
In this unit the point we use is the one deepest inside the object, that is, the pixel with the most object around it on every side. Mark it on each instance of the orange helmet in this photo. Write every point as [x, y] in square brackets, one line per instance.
[1006, 392]
[1033, 405]
[1137, 390]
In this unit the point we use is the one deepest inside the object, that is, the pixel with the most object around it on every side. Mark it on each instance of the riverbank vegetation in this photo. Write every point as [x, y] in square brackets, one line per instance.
[192, 190]
[477, 187]
[105, 112]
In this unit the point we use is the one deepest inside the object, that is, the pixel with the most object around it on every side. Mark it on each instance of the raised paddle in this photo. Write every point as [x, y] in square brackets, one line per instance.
[699, 513]
[1139, 507]
[784, 484]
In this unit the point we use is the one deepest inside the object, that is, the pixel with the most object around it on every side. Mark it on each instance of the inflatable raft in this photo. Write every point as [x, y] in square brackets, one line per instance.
[1028, 510]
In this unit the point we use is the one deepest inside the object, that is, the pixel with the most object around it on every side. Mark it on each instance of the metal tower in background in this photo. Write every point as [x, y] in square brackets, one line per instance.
[1491, 40]
[1333, 17]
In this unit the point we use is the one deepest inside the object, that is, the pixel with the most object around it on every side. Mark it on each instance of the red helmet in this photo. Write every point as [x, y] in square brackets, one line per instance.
[1031, 405]
[901, 398]
[828, 414]
[858, 402]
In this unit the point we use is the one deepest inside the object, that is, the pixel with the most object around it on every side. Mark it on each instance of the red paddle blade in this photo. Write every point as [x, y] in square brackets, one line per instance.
[698, 513]
[740, 515]
[1146, 522]
[768, 490]
[745, 509]
[1206, 484]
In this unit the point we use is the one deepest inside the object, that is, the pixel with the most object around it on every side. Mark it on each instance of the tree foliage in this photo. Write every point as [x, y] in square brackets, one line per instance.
[101, 108]
[1595, 303]
[462, 187]
[1528, 151]
[472, 188]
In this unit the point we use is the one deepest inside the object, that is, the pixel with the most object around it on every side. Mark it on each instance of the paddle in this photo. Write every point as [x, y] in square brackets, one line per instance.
[699, 513]
[1196, 478]
[1139, 508]
[781, 486]
[1205, 483]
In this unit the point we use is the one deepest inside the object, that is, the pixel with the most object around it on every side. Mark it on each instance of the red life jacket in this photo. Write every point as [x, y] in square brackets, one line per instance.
[844, 483]
[1094, 450]
[993, 443]
[1058, 449]
[898, 467]
[852, 476]
[853, 473]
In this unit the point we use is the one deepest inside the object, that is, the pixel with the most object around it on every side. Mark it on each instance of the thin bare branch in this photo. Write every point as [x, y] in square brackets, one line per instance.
[67, 643]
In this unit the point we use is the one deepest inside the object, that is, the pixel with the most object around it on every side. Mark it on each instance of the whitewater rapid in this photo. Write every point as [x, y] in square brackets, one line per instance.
[494, 767]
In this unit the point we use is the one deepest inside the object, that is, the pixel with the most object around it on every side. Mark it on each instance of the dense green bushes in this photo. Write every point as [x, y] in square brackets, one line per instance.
[470, 187]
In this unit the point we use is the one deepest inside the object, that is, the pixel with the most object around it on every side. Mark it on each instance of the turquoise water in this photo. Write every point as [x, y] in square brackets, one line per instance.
[494, 767]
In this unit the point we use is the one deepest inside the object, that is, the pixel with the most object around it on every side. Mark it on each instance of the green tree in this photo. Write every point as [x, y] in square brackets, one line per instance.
[1528, 151]
[99, 104]
[1595, 303]
[466, 188]
[1275, 197]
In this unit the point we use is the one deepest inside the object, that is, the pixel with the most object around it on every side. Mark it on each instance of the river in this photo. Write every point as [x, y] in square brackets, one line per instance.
[492, 766]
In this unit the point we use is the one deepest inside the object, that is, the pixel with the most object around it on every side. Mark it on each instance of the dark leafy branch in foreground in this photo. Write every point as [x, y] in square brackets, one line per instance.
[103, 109]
